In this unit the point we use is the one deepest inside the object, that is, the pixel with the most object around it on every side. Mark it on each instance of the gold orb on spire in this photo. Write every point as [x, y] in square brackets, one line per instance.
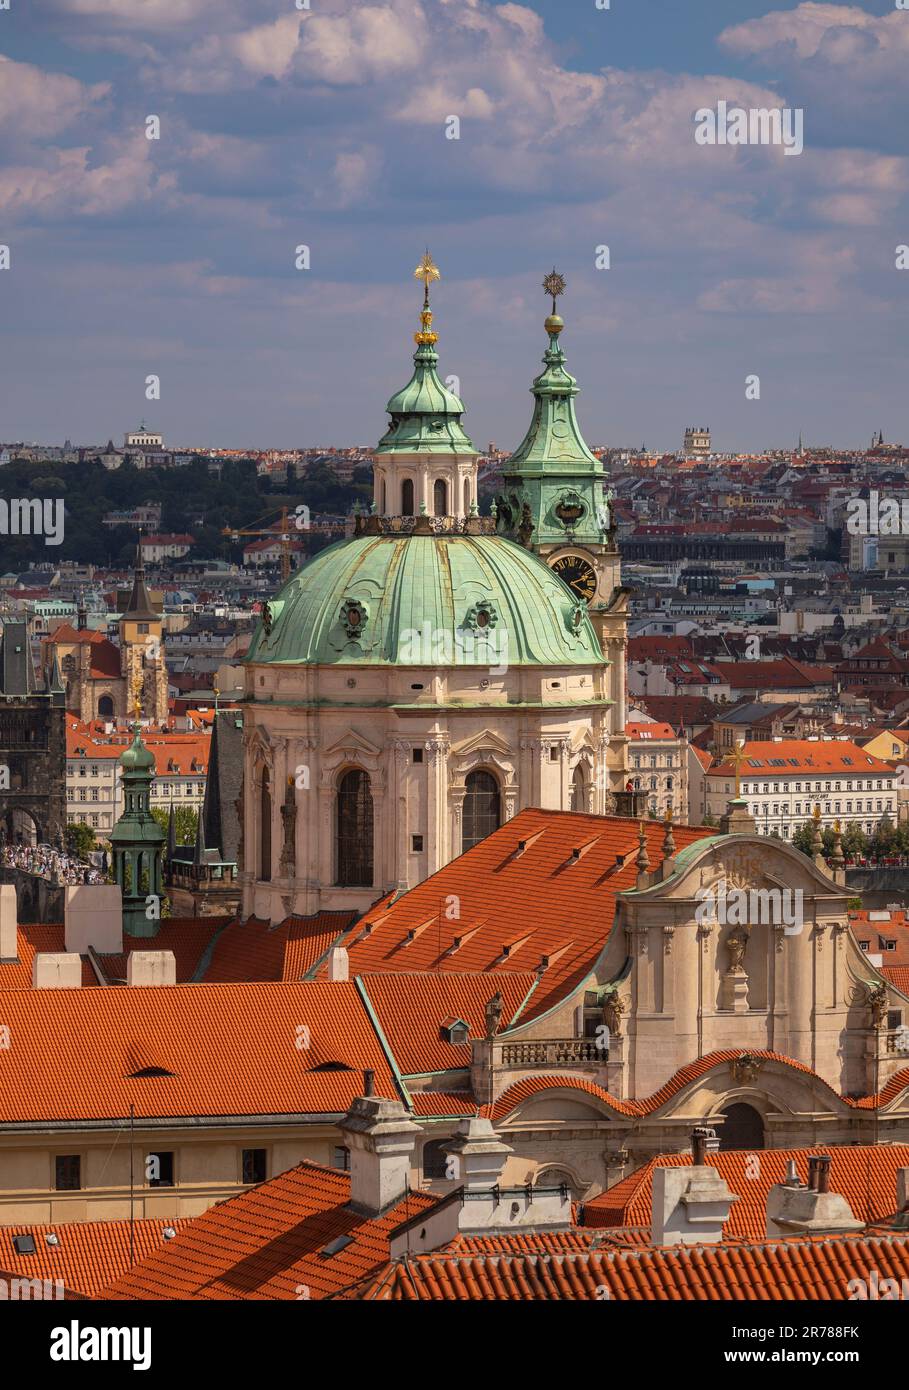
[554, 285]
[427, 271]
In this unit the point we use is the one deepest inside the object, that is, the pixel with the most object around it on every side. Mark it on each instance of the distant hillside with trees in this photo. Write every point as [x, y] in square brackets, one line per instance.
[238, 498]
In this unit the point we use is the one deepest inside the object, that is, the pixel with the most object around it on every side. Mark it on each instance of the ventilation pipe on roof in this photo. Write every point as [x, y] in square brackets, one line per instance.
[813, 1209]
[9, 940]
[690, 1205]
[338, 963]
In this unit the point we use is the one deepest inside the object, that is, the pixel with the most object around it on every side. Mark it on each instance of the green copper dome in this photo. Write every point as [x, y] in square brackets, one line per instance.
[425, 415]
[397, 600]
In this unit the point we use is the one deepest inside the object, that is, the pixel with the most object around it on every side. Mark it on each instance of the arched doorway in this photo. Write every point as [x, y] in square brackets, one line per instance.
[21, 828]
[354, 830]
[105, 707]
[440, 497]
[265, 827]
[407, 497]
[482, 808]
[742, 1128]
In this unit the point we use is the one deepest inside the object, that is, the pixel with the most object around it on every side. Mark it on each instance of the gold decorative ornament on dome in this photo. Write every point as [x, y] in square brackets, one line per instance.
[427, 271]
[554, 285]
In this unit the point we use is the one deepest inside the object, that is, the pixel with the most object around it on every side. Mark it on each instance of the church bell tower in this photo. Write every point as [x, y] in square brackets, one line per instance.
[554, 501]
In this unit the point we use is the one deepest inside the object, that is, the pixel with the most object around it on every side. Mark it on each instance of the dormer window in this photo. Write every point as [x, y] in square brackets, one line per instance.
[454, 1030]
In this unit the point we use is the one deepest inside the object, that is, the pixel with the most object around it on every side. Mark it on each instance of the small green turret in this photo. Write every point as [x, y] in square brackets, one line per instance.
[137, 842]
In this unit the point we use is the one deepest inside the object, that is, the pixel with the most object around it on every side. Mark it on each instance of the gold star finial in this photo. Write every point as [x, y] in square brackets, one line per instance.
[426, 271]
[554, 285]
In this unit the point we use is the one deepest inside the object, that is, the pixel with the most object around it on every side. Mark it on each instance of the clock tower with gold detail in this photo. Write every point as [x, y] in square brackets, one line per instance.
[554, 502]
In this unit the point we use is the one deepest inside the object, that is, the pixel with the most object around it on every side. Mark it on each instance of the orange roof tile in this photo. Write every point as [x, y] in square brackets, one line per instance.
[231, 1050]
[87, 1254]
[864, 1174]
[411, 1008]
[808, 755]
[254, 950]
[270, 1243]
[796, 1270]
[507, 893]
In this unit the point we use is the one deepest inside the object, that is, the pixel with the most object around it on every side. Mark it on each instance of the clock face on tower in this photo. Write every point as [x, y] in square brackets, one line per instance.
[578, 573]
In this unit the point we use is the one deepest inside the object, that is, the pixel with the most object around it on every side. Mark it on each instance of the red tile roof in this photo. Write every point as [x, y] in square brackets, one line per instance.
[230, 1050]
[270, 1243]
[794, 1270]
[517, 909]
[87, 1254]
[254, 950]
[34, 939]
[864, 1174]
[801, 755]
[411, 1009]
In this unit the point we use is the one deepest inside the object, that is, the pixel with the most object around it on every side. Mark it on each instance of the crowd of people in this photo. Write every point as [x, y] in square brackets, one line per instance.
[46, 862]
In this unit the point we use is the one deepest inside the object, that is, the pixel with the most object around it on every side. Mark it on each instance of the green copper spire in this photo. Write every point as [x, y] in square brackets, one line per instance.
[425, 415]
[552, 484]
[137, 841]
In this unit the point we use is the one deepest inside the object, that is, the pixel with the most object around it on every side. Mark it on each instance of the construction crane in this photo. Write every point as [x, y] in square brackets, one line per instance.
[283, 535]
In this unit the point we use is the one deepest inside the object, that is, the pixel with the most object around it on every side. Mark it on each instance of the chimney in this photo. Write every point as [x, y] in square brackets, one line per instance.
[338, 963]
[151, 968]
[9, 940]
[56, 970]
[380, 1136]
[479, 1154]
[93, 916]
[795, 1210]
[691, 1205]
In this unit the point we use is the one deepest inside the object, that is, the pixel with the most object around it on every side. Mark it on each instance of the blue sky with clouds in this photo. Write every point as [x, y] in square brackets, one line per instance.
[326, 127]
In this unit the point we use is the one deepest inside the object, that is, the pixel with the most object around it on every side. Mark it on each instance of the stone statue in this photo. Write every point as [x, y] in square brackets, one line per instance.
[494, 1015]
[877, 1000]
[614, 1007]
[736, 942]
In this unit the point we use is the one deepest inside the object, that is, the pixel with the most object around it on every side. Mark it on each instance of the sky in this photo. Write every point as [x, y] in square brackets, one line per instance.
[327, 127]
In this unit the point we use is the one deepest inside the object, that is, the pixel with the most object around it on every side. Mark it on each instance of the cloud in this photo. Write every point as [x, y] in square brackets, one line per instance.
[837, 33]
[42, 103]
[68, 184]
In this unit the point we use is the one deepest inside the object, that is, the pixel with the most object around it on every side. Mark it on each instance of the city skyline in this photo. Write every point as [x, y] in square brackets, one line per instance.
[327, 128]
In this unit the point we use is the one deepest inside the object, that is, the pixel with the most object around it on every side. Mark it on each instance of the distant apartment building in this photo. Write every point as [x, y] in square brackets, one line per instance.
[93, 791]
[784, 780]
[658, 765]
[157, 548]
[697, 441]
[147, 514]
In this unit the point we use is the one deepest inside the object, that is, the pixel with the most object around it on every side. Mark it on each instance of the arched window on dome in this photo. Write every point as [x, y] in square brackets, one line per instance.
[407, 497]
[579, 788]
[466, 496]
[482, 808]
[440, 497]
[354, 830]
[265, 827]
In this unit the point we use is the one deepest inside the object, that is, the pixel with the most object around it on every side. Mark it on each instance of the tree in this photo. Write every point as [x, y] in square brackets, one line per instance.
[80, 839]
[883, 841]
[855, 841]
[803, 838]
[186, 821]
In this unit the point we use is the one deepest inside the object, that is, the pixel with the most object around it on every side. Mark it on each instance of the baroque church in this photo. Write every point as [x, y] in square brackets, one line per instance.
[417, 684]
